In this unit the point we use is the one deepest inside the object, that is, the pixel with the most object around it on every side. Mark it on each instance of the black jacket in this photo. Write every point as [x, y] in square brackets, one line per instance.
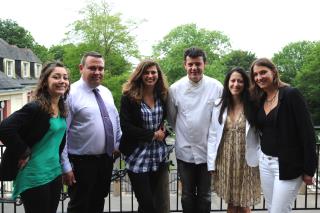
[19, 132]
[131, 123]
[295, 136]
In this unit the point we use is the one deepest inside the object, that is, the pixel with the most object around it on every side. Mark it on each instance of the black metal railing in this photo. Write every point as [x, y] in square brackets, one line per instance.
[122, 199]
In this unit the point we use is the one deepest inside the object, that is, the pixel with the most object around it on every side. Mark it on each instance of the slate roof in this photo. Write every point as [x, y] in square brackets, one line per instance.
[8, 83]
[16, 53]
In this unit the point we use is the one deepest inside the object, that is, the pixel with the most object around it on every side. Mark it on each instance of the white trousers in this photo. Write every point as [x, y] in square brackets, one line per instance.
[279, 194]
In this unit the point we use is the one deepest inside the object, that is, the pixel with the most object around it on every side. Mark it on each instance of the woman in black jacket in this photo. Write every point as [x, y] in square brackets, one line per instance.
[288, 154]
[142, 114]
[34, 137]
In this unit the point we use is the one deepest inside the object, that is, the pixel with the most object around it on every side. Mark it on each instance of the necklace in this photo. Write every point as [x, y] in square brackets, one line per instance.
[270, 101]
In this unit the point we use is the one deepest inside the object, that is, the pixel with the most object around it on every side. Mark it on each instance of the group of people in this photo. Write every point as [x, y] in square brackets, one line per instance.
[252, 131]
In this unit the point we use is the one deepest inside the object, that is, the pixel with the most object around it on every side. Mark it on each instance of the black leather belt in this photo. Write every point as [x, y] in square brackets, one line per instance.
[87, 157]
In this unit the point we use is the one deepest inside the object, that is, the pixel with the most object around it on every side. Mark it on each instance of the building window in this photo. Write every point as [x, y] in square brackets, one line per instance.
[2, 106]
[25, 69]
[37, 69]
[9, 67]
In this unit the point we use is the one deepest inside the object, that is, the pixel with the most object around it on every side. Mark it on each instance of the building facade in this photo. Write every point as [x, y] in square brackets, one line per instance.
[19, 72]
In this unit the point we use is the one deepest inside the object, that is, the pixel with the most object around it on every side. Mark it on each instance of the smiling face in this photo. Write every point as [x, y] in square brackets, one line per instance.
[263, 77]
[194, 67]
[92, 71]
[150, 76]
[236, 84]
[58, 82]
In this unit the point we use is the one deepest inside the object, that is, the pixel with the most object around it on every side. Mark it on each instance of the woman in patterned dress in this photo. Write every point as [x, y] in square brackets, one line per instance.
[233, 145]
[142, 113]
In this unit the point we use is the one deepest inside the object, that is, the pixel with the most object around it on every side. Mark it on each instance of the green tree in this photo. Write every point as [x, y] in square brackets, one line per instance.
[106, 33]
[14, 34]
[41, 51]
[237, 58]
[170, 50]
[114, 83]
[291, 58]
[308, 79]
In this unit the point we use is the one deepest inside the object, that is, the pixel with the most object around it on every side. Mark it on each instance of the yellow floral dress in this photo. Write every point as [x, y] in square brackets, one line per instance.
[234, 181]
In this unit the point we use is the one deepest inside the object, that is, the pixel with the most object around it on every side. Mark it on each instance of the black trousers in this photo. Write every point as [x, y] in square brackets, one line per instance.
[44, 198]
[93, 176]
[151, 190]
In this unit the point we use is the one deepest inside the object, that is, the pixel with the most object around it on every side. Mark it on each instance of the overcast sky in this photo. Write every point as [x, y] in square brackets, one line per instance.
[263, 27]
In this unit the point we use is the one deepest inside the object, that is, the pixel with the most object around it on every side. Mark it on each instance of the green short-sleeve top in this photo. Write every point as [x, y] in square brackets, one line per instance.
[44, 163]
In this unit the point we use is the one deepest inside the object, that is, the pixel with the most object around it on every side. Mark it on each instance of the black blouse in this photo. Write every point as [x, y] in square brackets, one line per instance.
[267, 126]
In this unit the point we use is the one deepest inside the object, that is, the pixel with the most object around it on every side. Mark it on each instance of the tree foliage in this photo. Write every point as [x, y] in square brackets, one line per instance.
[170, 50]
[308, 79]
[14, 34]
[291, 59]
[237, 58]
[106, 33]
[114, 83]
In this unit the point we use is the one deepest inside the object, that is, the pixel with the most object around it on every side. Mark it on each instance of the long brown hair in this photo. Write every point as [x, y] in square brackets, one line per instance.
[42, 95]
[134, 86]
[256, 91]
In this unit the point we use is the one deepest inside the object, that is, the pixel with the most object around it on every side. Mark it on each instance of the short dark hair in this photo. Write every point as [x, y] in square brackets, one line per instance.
[194, 52]
[92, 54]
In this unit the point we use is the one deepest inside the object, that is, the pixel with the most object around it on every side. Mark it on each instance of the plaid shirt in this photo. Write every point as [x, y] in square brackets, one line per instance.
[147, 157]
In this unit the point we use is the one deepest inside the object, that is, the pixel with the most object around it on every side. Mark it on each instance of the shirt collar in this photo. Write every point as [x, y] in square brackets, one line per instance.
[196, 84]
[86, 87]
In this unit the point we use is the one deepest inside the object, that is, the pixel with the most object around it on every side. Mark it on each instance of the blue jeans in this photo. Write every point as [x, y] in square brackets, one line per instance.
[196, 187]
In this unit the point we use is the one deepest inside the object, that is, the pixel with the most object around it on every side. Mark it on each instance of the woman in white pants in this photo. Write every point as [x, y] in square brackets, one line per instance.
[288, 153]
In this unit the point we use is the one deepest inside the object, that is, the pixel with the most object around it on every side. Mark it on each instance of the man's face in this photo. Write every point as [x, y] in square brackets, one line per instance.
[92, 71]
[194, 67]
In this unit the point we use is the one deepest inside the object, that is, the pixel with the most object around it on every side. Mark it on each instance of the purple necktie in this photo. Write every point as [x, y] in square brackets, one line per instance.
[106, 122]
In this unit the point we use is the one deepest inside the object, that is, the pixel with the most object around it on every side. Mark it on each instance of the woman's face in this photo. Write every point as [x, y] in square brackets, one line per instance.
[58, 82]
[236, 84]
[150, 76]
[263, 76]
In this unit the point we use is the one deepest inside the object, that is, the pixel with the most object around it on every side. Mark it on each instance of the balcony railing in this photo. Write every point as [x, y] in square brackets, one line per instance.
[122, 199]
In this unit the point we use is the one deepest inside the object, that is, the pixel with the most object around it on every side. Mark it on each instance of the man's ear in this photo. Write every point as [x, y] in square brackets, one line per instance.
[81, 68]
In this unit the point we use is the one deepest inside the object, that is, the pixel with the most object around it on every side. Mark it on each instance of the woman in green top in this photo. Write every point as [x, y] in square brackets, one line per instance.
[36, 133]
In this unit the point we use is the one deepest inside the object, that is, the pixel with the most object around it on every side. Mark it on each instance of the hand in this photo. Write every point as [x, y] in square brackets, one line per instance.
[309, 180]
[68, 178]
[115, 154]
[22, 162]
[159, 135]
[212, 172]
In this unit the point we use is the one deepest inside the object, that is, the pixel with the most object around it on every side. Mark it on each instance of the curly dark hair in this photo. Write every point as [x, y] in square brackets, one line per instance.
[42, 95]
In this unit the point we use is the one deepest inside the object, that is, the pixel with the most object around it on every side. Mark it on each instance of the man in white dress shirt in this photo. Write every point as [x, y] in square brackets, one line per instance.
[87, 159]
[190, 105]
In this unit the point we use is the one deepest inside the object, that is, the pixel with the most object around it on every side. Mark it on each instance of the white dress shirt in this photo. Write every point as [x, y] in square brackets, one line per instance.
[215, 135]
[189, 113]
[85, 130]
